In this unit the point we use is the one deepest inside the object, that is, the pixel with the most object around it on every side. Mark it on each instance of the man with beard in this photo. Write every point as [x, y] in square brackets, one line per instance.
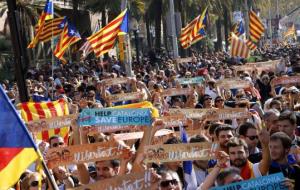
[238, 157]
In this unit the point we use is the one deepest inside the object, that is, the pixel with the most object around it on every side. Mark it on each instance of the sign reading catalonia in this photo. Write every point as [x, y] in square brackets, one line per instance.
[113, 117]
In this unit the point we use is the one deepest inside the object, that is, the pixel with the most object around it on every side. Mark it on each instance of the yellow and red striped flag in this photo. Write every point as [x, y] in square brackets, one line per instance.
[252, 46]
[46, 15]
[51, 29]
[194, 31]
[291, 32]
[256, 27]
[104, 40]
[31, 111]
[68, 37]
[238, 47]
[184, 38]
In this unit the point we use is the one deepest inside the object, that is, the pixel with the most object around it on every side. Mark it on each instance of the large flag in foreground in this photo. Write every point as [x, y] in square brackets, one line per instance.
[238, 47]
[104, 40]
[46, 15]
[31, 111]
[256, 27]
[17, 149]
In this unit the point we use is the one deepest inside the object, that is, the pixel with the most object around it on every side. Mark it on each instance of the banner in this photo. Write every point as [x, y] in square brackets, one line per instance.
[285, 80]
[84, 153]
[139, 135]
[213, 114]
[195, 80]
[114, 116]
[233, 84]
[115, 81]
[111, 129]
[125, 96]
[177, 152]
[177, 91]
[51, 123]
[133, 181]
[272, 181]
[184, 60]
[176, 120]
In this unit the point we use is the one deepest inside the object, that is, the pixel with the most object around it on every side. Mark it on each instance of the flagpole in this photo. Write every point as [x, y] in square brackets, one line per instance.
[128, 62]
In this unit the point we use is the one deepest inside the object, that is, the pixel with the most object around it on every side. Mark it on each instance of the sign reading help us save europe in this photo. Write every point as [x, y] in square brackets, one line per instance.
[115, 116]
[262, 183]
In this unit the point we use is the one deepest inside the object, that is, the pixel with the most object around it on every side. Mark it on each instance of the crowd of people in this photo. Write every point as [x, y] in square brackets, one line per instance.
[265, 143]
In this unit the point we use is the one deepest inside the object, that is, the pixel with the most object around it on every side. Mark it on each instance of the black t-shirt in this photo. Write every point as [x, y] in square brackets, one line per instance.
[291, 172]
[255, 158]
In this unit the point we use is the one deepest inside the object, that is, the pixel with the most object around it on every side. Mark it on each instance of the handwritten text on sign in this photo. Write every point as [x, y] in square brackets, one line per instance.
[51, 123]
[177, 91]
[212, 114]
[285, 80]
[195, 80]
[134, 181]
[110, 117]
[84, 153]
[266, 182]
[126, 96]
[177, 152]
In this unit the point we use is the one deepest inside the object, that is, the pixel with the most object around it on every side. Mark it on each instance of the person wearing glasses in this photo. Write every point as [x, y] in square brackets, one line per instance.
[169, 181]
[31, 182]
[248, 132]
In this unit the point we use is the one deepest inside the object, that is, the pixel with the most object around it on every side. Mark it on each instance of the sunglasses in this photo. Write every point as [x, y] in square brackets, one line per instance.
[220, 100]
[168, 182]
[252, 137]
[56, 144]
[207, 99]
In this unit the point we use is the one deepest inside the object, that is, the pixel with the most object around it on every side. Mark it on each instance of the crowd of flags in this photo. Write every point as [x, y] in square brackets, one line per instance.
[100, 42]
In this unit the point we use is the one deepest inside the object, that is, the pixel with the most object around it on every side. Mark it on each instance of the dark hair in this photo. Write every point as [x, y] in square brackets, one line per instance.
[54, 137]
[226, 172]
[235, 141]
[212, 128]
[113, 163]
[274, 102]
[198, 138]
[288, 115]
[244, 128]
[173, 140]
[284, 138]
[222, 127]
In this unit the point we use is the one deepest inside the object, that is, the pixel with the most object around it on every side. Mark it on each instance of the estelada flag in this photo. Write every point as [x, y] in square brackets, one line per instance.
[31, 111]
[17, 149]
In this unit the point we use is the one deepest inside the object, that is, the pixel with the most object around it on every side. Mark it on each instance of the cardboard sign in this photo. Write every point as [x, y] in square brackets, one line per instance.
[51, 123]
[115, 81]
[233, 84]
[285, 80]
[265, 63]
[84, 153]
[111, 129]
[248, 68]
[177, 152]
[195, 80]
[184, 60]
[139, 135]
[176, 91]
[213, 114]
[133, 181]
[114, 116]
[126, 96]
[265, 182]
[175, 120]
